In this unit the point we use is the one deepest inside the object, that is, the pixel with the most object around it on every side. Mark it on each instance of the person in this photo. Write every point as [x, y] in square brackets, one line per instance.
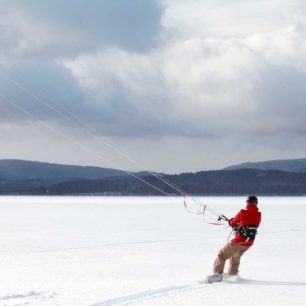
[245, 225]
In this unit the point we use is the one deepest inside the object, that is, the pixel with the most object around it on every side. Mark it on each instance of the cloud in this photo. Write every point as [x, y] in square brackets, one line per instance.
[198, 87]
[235, 18]
[36, 34]
[30, 84]
[219, 76]
[169, 86]
[56, 28]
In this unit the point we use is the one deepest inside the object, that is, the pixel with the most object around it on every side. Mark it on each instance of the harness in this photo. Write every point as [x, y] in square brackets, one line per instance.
[248, 232]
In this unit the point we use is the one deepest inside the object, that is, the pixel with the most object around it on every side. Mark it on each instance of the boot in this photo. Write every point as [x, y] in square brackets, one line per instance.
[213, 278]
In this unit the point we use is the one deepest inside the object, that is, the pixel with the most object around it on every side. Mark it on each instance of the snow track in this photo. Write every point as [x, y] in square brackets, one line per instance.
[27, 298]
[153, 294]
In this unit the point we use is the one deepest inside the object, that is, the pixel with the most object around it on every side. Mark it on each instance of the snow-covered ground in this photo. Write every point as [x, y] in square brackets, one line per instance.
[144, 251]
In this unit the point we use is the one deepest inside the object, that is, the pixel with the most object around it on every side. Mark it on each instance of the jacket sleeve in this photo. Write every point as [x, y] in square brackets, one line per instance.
[234, 221]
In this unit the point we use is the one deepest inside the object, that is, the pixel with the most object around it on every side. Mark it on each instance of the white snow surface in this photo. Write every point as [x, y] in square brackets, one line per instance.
[145, 251]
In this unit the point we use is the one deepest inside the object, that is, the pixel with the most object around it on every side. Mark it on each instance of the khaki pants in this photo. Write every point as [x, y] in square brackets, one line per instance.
[233, 252]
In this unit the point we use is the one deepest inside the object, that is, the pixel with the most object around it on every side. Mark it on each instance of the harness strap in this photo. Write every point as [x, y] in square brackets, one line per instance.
[248, 232]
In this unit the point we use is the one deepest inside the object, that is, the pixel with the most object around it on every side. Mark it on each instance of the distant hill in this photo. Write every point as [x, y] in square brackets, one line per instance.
[289, 165]
[34, 178]
[18, 170]
[233, 182]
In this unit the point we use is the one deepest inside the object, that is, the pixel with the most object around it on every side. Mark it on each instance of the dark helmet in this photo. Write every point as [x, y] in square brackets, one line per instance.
[252, 199]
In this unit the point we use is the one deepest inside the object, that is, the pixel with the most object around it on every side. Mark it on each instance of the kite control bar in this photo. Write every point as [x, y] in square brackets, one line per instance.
[222, 217]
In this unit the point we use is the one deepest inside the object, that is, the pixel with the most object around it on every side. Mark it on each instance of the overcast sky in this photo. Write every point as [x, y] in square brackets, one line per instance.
[174, 85]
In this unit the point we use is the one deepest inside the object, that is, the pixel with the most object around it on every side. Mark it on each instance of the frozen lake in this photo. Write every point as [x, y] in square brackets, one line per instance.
[144, 251]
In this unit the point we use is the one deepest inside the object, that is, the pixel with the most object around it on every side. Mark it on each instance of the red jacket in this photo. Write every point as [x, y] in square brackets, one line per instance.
[248, 216]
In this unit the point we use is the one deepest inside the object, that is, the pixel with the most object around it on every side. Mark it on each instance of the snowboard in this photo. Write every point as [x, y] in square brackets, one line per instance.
[214, 278]
[217, 278]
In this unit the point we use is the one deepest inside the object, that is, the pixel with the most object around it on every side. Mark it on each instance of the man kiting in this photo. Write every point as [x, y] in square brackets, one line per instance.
[245, 225]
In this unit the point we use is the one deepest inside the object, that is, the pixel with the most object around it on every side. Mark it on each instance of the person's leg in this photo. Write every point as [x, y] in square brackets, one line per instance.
[229, 250]
[234, 260]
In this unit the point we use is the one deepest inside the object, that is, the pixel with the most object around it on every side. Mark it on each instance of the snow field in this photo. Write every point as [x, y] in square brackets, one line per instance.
[144, 251]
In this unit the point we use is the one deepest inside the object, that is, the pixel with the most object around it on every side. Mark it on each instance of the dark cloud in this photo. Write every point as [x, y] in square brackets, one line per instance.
[47, 90]
[50, 83]
[50, 30]
[76, 26]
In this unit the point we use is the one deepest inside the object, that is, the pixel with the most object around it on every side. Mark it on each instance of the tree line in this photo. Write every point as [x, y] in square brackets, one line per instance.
[222, 182]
